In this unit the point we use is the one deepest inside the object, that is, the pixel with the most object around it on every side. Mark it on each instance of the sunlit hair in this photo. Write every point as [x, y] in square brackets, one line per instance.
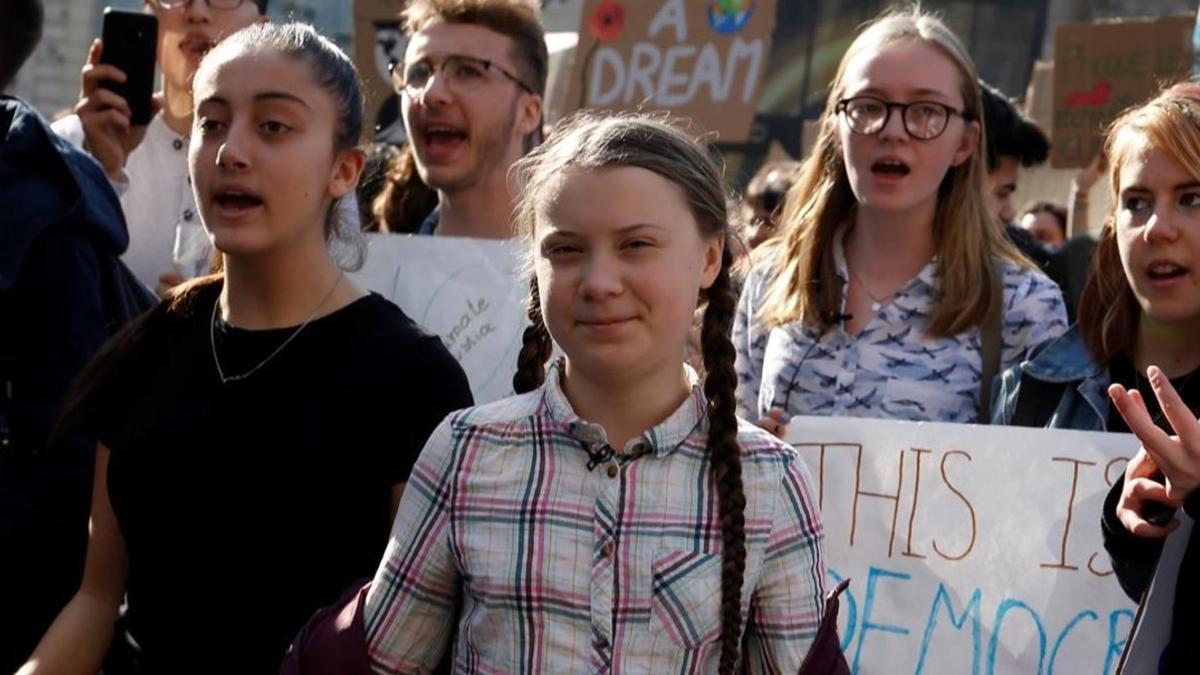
[1109, 312]
[805, 285]
[590, 141]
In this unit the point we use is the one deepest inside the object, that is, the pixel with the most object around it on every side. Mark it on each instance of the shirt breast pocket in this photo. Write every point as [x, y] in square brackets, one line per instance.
[685, 600]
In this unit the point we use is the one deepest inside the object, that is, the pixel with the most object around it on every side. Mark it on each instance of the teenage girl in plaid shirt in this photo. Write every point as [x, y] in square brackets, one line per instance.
[618, 516]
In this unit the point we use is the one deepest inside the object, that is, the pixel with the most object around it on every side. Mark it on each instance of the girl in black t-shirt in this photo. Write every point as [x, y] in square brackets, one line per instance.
[257, 427]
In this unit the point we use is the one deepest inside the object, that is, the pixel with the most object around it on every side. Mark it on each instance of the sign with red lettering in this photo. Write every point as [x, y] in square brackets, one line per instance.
[970, 549]
[1101, 68]
[704, 60]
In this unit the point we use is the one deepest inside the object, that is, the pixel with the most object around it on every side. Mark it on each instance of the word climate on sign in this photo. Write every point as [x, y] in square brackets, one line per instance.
[701, 59]
[468, 292]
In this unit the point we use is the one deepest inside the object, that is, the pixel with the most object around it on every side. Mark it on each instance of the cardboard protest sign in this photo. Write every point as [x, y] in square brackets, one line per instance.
[703, 60]
[466, 291]
[378, 41]
[1104, 67]
[971, 549]
[1039, 95]
[1196, 47]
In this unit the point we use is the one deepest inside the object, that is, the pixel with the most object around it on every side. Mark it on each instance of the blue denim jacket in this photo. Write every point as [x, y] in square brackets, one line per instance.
[1084, 404]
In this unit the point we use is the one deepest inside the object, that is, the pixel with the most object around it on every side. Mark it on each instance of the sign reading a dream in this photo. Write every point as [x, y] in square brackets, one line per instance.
[703, 60]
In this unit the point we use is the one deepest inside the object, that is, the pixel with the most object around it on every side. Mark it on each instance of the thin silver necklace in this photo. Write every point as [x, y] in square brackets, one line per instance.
[876, 303]
[212, 339]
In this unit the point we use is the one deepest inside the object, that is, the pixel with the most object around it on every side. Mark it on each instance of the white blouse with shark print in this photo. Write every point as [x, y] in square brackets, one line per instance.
[891, 369]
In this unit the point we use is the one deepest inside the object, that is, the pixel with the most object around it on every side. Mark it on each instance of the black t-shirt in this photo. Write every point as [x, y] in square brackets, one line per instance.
[1122, 372]
[247, 505]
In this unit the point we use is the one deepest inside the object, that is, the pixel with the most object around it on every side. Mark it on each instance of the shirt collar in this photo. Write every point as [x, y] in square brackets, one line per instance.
[163, 134]
[660, 440]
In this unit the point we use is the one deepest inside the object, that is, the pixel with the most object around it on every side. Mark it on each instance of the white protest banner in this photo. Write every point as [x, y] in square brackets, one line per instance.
[971, 549]
[466, 291]
[703, 60]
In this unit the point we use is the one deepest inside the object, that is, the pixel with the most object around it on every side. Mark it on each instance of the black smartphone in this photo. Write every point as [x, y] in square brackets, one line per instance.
[130, 43]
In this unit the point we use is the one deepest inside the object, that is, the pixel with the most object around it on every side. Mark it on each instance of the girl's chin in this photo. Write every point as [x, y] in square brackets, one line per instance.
[1172, 315]
[238, 246]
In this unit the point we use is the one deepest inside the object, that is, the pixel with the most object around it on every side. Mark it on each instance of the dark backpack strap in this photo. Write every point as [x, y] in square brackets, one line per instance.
[825, 654]
[991, 342]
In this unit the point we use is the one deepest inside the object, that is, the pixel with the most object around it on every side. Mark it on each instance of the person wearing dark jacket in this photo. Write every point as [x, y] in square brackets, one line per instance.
[63, 292]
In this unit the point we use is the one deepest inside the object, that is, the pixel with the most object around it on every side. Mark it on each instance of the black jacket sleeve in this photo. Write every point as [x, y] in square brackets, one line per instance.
[63, 323]
[1133, 558]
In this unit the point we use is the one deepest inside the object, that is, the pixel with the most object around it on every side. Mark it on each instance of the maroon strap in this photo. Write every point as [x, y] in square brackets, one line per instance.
[825, 655]
[334, 641]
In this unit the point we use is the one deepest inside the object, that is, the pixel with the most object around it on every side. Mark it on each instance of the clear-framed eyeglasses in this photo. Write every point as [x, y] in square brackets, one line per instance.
[461, 73]
[214, 4]
[923, 120]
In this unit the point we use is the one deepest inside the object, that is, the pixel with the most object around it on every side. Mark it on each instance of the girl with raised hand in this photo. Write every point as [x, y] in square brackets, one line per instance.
[617, 516]
[890, 293]
[256, 428]
[1139, 316]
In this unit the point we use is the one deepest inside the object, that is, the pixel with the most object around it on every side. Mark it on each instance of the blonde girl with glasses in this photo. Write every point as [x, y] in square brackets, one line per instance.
[889, 293]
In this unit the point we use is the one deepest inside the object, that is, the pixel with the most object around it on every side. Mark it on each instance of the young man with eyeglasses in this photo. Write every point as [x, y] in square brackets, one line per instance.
[471, 88]
[147, 165]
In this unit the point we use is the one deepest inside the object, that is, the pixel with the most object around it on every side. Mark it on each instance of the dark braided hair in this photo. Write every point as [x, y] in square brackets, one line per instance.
[724, 452]
[535, 346]
[593, 140]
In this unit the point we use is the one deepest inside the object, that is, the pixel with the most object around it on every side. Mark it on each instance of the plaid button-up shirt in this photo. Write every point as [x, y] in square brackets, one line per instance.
[553, 553]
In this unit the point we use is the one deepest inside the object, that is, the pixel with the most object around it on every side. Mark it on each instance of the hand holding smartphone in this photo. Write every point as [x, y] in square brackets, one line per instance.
[130, 44]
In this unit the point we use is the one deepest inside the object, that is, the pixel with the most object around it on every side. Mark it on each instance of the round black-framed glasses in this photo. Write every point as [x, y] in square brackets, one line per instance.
[923, 120]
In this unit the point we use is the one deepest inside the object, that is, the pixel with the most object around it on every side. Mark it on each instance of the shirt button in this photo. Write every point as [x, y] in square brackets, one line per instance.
[613, 470]
[606, 550]
[188, 215]
[177, 144]
[600, 643]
